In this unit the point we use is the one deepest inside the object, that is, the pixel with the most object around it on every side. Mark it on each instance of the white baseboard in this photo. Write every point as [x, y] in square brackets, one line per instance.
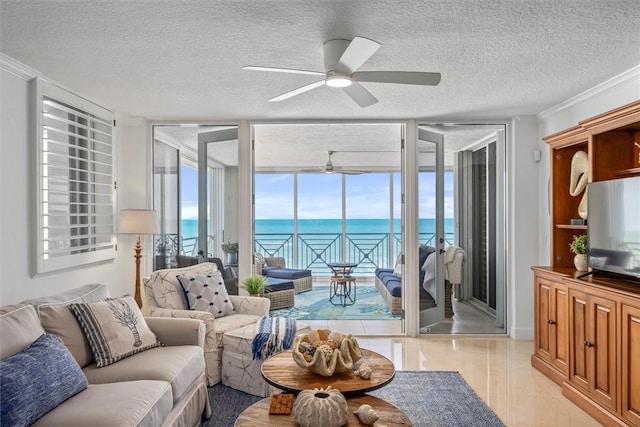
[525, 334]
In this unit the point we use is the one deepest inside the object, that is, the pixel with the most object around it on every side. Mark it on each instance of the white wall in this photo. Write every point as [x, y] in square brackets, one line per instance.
[522, 223]
[616, 92]
[17, 171]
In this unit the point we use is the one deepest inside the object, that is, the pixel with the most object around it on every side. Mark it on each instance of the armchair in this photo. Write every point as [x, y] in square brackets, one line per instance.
[275, 268]
[164, 297]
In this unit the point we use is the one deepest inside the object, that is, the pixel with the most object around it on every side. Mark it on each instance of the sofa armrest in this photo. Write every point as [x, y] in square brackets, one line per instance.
[275, 260]
[208, 319]
[258, 306]
[178, 331]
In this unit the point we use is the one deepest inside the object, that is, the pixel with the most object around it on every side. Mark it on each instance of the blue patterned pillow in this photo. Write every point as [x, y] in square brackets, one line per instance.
[207, 293]
[37, 380]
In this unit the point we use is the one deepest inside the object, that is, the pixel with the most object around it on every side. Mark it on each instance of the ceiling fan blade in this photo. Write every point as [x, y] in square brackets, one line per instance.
[360, 95]
[283, 70]
[401, 77]
[348, 172]
[356, 54]
[297, 91]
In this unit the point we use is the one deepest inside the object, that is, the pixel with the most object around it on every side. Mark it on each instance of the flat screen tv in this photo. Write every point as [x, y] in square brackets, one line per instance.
[613, 238]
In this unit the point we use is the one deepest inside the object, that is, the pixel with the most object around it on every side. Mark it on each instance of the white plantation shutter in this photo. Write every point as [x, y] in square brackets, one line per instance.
[75, 207]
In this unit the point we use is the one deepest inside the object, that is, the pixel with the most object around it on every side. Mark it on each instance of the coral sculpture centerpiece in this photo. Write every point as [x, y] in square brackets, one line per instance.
[324, 352]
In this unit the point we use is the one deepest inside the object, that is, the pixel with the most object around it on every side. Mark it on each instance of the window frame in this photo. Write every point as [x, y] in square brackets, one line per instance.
[97, 246]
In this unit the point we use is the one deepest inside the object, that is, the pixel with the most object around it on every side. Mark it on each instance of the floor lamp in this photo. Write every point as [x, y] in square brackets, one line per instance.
[138, 221]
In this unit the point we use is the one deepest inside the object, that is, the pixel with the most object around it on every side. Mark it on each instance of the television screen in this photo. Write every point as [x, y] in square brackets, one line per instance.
[614, 226]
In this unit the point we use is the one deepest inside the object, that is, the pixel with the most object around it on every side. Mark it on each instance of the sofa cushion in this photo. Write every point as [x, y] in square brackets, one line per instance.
[124, 404]
[164, 288]
[397, 270]
[275, 285]
[179, 366]
[207, 293]
[114, 328]
[287, 273]
[393, 284]
[19, 328]
[36, 380]
[87, 293]
[59, 320]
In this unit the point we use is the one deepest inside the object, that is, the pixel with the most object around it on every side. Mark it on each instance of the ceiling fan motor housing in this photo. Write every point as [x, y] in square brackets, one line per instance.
[333, 50]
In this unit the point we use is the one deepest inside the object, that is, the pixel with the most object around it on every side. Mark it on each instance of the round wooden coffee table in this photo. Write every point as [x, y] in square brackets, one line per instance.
[257, 415]
[282, 372]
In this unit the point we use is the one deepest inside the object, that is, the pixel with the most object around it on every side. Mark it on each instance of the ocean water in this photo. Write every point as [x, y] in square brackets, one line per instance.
[360, 226]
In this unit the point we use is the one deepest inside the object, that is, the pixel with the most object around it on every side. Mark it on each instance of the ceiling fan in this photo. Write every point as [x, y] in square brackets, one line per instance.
[341, 60]
[330, 168]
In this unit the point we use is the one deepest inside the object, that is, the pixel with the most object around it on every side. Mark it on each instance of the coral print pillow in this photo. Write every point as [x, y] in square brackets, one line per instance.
[115, 329]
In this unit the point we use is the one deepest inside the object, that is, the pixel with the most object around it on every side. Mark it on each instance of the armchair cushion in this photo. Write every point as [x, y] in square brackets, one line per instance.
[162, 288]
[37, 380]
[288, 273]
[114, 328]
[207, 293]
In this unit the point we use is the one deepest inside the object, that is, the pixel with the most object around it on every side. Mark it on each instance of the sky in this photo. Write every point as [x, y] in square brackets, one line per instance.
[319, 195]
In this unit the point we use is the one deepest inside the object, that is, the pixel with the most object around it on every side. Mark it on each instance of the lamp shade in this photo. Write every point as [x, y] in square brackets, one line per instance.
[138, 221]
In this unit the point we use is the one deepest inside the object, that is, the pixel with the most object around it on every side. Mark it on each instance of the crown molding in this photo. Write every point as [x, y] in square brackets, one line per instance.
[17, 68]
[607, 86]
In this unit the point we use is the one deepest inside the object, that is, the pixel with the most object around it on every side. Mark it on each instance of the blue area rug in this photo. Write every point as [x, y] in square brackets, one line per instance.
[315, 305]
[428, 398]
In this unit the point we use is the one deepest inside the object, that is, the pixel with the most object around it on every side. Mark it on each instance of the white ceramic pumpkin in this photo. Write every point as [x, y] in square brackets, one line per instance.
[320, 408]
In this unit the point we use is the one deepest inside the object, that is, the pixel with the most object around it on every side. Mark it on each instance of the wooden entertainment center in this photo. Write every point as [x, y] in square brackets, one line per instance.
[587, 330]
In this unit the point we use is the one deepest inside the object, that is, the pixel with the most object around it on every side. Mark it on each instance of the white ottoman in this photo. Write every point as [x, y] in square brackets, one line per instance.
[239, 370]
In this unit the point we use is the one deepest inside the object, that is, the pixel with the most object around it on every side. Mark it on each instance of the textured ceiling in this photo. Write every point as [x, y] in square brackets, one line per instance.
[181, 60]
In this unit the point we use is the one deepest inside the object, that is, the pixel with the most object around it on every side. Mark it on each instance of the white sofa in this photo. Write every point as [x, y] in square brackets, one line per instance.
[162, 386]
[164, 297]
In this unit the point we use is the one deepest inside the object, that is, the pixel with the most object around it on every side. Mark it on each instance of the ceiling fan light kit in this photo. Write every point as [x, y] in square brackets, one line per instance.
[337, 80]
[341, 60]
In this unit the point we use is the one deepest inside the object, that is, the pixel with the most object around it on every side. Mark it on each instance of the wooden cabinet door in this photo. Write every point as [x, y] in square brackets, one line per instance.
[552, 323]
[631, 363]
[601, 351]
[578, 325]
[560, 327]
[543, 314]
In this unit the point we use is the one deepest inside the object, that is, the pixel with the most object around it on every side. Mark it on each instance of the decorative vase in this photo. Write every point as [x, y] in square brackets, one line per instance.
[580, 261]
[321, 408]
[232, 258]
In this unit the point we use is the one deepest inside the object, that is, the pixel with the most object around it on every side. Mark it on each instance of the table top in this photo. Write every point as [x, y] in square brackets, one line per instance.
[257, 415]
[342, 265]
[281, 371]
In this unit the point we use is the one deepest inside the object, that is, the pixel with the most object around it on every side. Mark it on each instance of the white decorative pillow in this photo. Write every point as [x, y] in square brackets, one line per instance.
[398, 267]
[207, 293]
[115, 329]
[163, 286]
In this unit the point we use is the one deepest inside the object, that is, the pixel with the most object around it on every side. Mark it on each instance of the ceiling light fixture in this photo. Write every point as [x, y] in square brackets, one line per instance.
[338, 80]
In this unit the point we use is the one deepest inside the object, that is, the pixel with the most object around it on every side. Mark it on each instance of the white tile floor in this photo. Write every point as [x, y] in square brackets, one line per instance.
[497, 368]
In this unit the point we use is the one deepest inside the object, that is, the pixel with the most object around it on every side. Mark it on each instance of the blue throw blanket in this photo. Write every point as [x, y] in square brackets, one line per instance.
[273, 334]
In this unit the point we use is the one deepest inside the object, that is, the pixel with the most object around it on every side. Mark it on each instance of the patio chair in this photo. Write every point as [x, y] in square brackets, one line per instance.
[275, 268]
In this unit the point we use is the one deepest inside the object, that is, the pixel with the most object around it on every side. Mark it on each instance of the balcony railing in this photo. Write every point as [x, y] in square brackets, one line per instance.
[314, 251]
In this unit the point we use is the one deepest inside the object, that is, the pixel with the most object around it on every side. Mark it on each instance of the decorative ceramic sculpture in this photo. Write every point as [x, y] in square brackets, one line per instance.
[324, 352]
[320, 408]
[579, 179]
[366, 414]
